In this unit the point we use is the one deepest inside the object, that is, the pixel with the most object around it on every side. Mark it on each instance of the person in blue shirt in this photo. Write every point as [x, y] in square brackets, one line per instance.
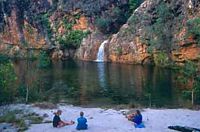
[137, 119]
[82, 122]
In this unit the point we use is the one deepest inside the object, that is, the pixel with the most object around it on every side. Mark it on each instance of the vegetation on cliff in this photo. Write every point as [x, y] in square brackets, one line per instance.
[44, 60]
[193, 26]
[48, 17]
[165, 33]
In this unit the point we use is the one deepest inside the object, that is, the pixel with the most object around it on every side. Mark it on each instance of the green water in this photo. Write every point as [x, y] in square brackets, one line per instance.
[98, 84]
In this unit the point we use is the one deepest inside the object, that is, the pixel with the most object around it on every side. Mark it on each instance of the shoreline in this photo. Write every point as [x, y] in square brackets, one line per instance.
[111, 120]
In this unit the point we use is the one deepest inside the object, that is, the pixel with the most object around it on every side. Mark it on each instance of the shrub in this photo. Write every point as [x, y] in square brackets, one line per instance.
[158, 34]
[43, 19]
[4, 58]
[67, 24]
[103, 24]
[9, 117]
[161, 59]
[189, 74]
[193, 27]
[133, 4]
[119, 50]
[29, 29]
[7, 79]
[44, 60]
[72, 39]
[35, 119]
[19, 120]
[112, 20]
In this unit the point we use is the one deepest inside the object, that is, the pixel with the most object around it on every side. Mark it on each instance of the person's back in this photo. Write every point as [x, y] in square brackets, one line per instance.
[138, 119]
[82, 122]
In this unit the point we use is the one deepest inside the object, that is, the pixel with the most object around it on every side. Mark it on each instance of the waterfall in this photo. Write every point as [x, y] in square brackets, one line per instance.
[100, 55]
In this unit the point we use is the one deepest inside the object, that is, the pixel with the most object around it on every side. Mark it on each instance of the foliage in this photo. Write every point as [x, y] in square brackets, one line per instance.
[133, 4]
[19, 121]
[191, 75]
[29, 29]
[193, 26]
[35, 119]
[161, 59]
[44, 60]
[67, 25]
[103, 24]
[4, 58]
[119, 17]
[7, 79]
[35, 92]
[37, 86]
[8, 117]
[21, 91]
[159, 35]
[112, 20]
[72, 39]
[55, 4]
[119, 50]
[43, 19]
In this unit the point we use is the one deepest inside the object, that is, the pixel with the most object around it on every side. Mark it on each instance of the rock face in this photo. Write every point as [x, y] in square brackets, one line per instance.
[159, 31]
[42, 24]
[140, 41]
[89, 47]
[16, 29]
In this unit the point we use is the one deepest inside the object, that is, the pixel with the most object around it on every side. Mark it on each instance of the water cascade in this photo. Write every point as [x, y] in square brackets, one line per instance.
[100, 55]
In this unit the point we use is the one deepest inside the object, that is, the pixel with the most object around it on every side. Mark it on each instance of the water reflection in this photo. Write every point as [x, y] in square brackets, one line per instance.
[101, 75]
[90, 83]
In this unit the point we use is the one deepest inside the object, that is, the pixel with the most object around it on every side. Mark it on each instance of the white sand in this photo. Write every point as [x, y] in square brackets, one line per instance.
[100, 120]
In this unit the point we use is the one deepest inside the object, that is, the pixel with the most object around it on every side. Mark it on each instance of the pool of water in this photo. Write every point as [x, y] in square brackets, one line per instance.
[98, 84]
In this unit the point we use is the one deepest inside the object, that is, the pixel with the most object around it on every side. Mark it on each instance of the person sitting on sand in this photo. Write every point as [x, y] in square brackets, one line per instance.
[57, 122]
[136, 118]
[81, 122]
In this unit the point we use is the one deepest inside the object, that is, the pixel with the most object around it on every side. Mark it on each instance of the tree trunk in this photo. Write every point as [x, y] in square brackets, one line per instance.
[27, 93]
[192, 97]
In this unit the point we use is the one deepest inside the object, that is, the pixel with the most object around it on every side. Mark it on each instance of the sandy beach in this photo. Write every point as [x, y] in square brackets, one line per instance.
[109, 120]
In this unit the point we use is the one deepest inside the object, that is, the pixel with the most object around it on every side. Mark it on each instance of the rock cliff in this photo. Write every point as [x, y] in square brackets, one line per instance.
[159, 31]
[163, 32]
[55, 24]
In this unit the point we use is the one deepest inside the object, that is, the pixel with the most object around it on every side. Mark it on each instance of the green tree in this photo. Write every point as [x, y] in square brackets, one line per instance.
[161, 59]
[193, 27]
[103, 24]
[159, 34]
[72, 39]
[191, 75]
[44, 60]
[133, 4]
[7, 79]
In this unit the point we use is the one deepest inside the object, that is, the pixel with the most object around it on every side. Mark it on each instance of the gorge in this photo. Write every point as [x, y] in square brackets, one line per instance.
[106, 58]
[163, 33]
[75, 29]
